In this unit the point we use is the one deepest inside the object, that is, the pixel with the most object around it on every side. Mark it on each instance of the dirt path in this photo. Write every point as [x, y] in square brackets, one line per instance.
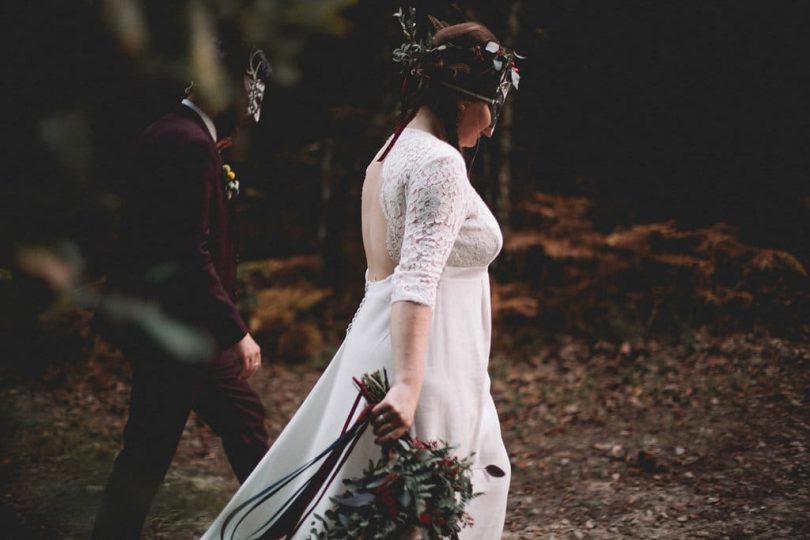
[660, 442]
[709, 440]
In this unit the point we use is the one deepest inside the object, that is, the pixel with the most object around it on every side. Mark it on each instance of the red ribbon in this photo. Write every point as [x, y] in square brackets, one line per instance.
[294, 517]
[224, 144]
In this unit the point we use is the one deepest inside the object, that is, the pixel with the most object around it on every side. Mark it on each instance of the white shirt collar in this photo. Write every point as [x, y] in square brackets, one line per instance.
[212, 129]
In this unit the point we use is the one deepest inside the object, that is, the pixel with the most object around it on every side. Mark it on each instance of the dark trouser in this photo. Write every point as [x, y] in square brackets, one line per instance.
[162, 397]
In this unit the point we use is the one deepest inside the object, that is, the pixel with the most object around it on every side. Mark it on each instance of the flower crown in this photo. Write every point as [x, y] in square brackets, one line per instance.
[419, 59]
[413, 53]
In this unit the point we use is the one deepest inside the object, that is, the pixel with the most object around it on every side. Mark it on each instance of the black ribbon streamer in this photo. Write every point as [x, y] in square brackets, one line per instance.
[293, 512]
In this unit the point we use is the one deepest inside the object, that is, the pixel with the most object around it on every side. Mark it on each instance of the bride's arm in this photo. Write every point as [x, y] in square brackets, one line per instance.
[410, 329]
[435, 210]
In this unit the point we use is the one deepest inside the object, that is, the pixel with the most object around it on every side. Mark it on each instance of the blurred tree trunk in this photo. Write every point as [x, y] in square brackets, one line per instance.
[326, 189]
[330, 228]
[503, 206]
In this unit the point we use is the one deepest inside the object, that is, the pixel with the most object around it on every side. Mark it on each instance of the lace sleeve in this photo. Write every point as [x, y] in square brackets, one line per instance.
[434, 212]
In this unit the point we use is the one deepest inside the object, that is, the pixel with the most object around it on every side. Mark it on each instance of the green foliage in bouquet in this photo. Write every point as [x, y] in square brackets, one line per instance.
[414, 486]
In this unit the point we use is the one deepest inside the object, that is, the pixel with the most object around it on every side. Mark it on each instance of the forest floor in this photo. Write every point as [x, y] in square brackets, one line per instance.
[706, 439]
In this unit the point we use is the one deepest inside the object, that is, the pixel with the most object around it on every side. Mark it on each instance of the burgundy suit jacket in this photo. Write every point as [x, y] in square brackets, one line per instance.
[179, 233]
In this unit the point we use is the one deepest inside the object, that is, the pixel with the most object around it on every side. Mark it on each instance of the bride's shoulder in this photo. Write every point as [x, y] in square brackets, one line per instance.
[420, 150]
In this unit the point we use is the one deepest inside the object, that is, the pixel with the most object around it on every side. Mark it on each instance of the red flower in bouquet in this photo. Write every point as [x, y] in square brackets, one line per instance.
[414, 485]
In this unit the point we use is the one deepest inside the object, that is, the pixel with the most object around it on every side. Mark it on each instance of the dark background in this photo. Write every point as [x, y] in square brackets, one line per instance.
[629, 321]
[693, 112]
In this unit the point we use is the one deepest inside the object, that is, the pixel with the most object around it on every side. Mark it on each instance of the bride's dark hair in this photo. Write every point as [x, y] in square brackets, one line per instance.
[461, 64]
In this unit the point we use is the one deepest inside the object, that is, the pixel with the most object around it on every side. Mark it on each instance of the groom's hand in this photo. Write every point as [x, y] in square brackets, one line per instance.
[249, 354]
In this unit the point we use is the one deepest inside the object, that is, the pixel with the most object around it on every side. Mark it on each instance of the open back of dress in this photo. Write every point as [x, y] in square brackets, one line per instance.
[442, 237]
[374, 225]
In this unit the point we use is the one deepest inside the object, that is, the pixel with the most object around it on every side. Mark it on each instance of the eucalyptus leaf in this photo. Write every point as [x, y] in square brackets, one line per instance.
[405, 498]
[515, 79]
[376, 483]
[355, 501]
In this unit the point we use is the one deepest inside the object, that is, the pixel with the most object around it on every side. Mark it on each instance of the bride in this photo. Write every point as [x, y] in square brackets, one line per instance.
[426, 314]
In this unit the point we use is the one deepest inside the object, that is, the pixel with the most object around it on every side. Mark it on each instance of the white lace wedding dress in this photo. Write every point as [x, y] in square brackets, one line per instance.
[443, 236]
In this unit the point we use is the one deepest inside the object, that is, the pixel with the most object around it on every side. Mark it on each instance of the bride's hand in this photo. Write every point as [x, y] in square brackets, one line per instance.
[393, 416]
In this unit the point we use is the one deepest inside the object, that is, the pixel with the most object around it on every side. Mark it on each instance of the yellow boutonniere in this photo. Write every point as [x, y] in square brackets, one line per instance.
[231, 183]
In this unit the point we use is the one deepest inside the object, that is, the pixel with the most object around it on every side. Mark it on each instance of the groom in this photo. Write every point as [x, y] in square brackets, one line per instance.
[179, 251]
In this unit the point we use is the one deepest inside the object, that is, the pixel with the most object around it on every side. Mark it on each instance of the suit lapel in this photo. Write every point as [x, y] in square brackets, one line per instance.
[187, 112]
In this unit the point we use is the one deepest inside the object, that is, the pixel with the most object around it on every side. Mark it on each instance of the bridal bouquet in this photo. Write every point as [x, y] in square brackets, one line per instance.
[416, 486]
